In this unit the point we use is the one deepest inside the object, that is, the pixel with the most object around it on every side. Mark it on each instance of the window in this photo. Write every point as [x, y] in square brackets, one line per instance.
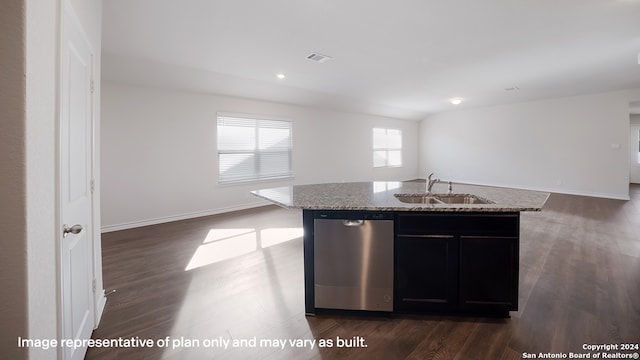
[253, 149]
[387, 147]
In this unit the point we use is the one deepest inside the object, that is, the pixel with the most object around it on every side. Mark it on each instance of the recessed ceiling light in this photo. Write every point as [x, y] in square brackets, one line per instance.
[280, 76]
[456, 101]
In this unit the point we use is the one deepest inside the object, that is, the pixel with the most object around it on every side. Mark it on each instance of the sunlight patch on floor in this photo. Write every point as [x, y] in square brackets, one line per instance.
[224, 244]
[274, 236]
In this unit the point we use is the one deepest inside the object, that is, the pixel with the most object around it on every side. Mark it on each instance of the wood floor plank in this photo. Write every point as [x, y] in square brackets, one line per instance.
[579, 283]
[445, 341]
[487, 341]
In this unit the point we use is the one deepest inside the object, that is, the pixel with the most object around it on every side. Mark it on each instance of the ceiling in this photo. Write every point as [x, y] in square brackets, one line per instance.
[403, 58]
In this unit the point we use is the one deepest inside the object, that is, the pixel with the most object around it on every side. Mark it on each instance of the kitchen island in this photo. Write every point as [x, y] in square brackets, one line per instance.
[396, 247]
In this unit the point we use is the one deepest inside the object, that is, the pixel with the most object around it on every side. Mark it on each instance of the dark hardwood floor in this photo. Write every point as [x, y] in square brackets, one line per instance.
[579, 284]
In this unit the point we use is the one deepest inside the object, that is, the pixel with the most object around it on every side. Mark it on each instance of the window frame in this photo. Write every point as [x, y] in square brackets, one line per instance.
[258, 154]
[387, 148]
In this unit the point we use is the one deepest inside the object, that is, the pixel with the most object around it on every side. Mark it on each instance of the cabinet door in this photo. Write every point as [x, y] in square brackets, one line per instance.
[426, 272]
[489, 273]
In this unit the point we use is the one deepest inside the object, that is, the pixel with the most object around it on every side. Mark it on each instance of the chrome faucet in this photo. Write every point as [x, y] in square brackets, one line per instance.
[431, 181]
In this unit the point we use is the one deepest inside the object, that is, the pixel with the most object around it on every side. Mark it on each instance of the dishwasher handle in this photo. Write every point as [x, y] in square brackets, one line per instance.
[352, 222]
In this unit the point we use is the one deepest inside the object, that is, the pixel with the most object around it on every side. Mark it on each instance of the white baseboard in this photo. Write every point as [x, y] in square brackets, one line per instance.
[598, 195]
[164, 219]
[551, 190]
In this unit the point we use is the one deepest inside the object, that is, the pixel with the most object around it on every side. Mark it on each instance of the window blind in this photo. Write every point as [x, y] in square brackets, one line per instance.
[253, 149]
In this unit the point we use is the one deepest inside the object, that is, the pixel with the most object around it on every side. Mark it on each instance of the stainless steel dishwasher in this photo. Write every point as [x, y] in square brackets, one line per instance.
[353, 261]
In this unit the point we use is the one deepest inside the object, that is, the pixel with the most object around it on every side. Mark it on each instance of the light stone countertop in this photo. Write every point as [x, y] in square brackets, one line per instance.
[379, 195]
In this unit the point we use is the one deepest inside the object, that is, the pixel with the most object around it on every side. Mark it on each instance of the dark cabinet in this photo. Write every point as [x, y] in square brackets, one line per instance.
[456, 262]
[426, 272]
[488, 273]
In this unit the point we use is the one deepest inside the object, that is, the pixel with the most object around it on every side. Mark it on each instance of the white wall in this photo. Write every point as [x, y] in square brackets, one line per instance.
[159, 159]
[567, 145]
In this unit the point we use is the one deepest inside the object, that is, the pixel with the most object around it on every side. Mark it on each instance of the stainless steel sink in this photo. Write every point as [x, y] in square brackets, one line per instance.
[418, 199]
[442, 199]
[462, 199]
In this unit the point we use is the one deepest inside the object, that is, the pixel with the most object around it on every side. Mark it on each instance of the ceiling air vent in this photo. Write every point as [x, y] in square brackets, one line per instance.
[317, 57]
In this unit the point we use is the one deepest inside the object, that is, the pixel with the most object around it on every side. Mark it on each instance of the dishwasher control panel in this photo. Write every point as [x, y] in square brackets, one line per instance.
[351, 215]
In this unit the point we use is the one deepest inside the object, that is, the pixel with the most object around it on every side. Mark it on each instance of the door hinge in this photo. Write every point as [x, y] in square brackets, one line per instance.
[92, 87]
[93, 285]
[93, 185]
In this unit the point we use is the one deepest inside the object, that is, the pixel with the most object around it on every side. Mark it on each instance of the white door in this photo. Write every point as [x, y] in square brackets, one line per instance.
[634, 156]
[76, 146]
